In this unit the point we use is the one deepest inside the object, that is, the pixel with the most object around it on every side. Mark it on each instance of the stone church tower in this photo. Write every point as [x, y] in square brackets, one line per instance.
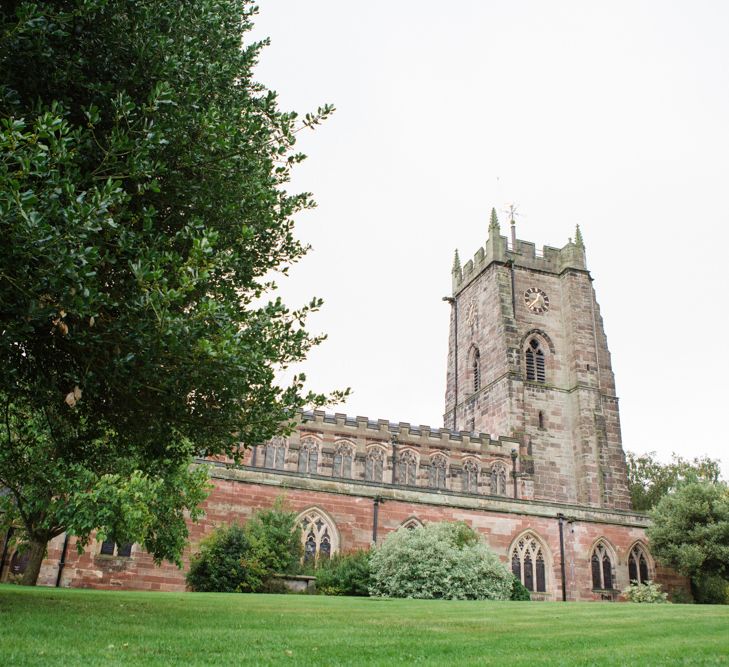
[528, 359]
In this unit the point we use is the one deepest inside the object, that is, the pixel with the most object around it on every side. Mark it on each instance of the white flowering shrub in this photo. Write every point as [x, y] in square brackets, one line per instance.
[647, 592]
[438, 560]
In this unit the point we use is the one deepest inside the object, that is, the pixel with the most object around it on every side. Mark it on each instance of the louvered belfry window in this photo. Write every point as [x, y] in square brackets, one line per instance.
[476, 371]
[535, 362]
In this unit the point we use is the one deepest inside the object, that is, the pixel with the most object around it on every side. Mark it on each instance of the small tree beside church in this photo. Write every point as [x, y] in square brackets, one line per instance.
[690, 533]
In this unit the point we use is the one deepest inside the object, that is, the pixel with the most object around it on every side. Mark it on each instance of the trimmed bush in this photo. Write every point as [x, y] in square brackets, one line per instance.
[344, 574]
[244, 558]
[519, 591]
[710, 589]
[438, 560]
[647, 592]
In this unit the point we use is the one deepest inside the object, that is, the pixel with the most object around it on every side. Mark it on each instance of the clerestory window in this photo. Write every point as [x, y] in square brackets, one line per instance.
[437, 473]
[498, 480]
[470, 476]
[407, 469]
[309, 456]
[374, 465]
[342, 464]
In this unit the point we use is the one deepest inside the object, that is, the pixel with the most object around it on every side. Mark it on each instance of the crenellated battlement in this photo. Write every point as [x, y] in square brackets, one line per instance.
[403, 433]
[525, 254]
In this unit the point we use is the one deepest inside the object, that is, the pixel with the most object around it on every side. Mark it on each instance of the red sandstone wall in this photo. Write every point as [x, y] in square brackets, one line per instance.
[352, 517]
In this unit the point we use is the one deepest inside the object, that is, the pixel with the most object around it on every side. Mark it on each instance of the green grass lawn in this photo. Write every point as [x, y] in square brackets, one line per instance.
[52, 627]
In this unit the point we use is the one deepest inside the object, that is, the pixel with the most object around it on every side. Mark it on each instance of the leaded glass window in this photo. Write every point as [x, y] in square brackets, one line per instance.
[275, 454]
[527, 563]
[317, 536]
[437, 472]
[374, 465]
[602, 569]
[308, 456]
[342, 464]
[638, 565]
[470, 476]
[407, 469]
[498, 480]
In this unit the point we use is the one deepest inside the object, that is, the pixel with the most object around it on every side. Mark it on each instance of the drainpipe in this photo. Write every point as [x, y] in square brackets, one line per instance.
[62, 562]
[454, 303]
[376, 502]
[514, 456]
[560, 518]
[393, 440]
[6, 544]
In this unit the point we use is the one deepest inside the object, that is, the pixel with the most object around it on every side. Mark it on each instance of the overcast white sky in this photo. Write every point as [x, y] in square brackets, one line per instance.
[614, 115]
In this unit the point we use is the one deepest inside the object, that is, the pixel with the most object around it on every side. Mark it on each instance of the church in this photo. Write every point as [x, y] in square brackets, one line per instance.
[529, 454]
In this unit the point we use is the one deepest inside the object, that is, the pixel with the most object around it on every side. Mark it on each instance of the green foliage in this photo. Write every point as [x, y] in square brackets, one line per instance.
[275, 539]
[649, 479]
[710, 589]
[519, 591]
[220, 564]
[344, 574]
[439, 560]
[648, 592]
[143, 210]
[690, 531]
[243, 559]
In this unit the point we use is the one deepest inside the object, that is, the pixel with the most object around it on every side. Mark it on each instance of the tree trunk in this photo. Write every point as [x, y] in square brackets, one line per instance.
[37, 551]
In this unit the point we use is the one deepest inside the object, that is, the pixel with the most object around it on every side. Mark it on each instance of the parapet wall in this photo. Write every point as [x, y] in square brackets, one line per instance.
[522, 253]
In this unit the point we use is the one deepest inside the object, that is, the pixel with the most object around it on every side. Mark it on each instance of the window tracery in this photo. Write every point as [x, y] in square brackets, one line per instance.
[275, 454]
[498, 479]
[407, 468]
[638, 565]
[317, 535]
[437, 472]
[534, 357]
[470, 476]
[374, 465]
[309, 456]
[602, 567]
[343, 457]
[527, 563]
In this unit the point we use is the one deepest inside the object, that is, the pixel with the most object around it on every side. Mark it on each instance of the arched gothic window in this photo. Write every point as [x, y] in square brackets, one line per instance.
[374, 465]
[498, 480]
[470, 476]
[602, 567]
[308, 456]
[317, 536]
[407, 468]
[437, 472]
[638, 565]
[476, 370]
[535, 362]
[275, 454]
[527, 563]
[412, 524]
[343, 456]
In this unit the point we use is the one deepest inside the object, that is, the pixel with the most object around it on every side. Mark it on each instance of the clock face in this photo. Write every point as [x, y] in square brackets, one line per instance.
[536, 300]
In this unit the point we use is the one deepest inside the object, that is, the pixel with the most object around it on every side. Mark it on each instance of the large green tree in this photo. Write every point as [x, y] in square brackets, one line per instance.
[143, 213]
[649, 479]
[690, 533]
